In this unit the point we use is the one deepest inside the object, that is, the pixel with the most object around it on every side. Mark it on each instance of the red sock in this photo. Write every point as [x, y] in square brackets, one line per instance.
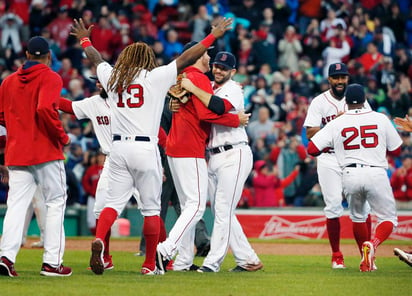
[106, 220]
[106, 252]
[369, 225]
[383, 231]
[361, 233]
[162, 235]
[151, 230]
[333, 228]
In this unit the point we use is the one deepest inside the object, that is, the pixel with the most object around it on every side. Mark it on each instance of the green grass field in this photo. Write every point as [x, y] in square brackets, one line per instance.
[282, 275]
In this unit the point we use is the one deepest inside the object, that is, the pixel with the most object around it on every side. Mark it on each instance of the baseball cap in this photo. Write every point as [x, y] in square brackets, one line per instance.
[225, 59]
[338, 69]
[191, 44]
[355, 94]
[38, 46]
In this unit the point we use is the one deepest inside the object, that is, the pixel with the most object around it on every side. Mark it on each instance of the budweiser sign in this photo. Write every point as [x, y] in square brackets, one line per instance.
[279, 227]
[309, 224]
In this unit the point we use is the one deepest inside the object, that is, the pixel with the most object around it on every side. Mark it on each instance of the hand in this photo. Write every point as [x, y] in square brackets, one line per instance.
[177, 92]
[404, 124]
[79, 30]
[222, 26]
[174, 105]
[4, 174]
[243, 118]
[68, 142]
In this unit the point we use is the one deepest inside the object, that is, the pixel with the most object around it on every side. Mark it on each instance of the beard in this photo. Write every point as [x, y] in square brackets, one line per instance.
[337, 92]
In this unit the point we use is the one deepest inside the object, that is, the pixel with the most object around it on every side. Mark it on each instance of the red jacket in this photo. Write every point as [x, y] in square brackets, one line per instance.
[265, 190]
[91, 178]
[29, 101]
[190, 128]
[402, 185]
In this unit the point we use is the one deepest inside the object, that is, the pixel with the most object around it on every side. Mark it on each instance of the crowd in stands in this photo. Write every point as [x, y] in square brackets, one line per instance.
[283, 48]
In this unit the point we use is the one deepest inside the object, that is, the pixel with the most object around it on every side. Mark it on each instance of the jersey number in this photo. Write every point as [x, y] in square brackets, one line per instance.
[369, 139]
[135, 98]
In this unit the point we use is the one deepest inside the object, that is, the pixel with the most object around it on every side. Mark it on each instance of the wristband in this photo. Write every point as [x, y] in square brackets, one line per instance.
[85, 42]
[208, 40]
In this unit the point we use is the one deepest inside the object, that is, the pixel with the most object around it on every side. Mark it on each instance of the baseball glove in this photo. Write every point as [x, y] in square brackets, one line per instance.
[177, 92]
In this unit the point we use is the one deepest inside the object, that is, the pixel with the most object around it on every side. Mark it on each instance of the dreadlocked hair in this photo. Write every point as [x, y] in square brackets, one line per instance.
[131, 61]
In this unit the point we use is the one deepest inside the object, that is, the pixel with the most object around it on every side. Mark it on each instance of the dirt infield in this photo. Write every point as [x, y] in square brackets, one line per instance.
[385, 250]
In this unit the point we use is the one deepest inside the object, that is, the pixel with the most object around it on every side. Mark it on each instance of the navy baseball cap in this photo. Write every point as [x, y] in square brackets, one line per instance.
[338, 69]
[355, 94]
[225, 59]
[191, 44]
[38, 46]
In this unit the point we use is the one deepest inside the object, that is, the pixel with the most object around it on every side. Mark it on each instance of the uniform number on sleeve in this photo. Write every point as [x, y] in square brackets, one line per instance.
[134, 98]
[368, 138]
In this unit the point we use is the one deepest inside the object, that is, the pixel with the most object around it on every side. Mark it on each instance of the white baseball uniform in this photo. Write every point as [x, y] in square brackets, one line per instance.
[360, 139]
[135, 120]
[230, 163]
[322, 110]
[97, 110]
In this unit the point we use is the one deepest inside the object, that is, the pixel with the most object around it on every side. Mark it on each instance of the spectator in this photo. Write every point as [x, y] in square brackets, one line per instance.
[200, 23]
[262, 127]
[250, 10]
[401, 182]
[289, 49]
[11, 24]
[371, 59]
[60, 28]
[265, 181]
[104, 37]
[172, 45]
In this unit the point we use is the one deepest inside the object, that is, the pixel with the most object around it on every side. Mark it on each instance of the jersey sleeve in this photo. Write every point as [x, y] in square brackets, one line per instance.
[167, 74]
[104, 70]
[324, 137]
[393, 140]
[313, 116]
[82, 108]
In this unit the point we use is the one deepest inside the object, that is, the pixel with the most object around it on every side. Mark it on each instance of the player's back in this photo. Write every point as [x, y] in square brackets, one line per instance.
[138, 109]
[363, 136]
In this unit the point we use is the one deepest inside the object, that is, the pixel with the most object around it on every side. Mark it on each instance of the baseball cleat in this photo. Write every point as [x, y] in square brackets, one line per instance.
[147, 271]
[204, 269]
[338, 261]
[48, 270]
[39, 244]
[192, 267]
[368, 258]
[403, 256]
[7, 267]
[247, 267]
[96, 259]
[161, 262]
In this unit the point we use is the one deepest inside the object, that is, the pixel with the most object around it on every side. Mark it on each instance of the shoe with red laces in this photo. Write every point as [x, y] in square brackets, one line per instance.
[61, 270]
[368, 257]
[96, 259]
[337, 261]
[7, 267]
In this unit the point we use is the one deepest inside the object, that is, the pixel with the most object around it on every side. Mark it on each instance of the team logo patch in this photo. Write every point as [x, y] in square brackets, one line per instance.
[338, 66]
[223, 58]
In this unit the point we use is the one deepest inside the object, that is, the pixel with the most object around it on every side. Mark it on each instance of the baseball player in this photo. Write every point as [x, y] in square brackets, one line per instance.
[185, 150]
[229, 164]
[322, 110]
[361, 138]
[34, 155]
[137, 88]
[97, 110]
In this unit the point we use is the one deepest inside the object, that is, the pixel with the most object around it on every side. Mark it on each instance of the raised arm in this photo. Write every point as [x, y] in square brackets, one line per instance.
[404, 124]
[83, 35]
[191, 55]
